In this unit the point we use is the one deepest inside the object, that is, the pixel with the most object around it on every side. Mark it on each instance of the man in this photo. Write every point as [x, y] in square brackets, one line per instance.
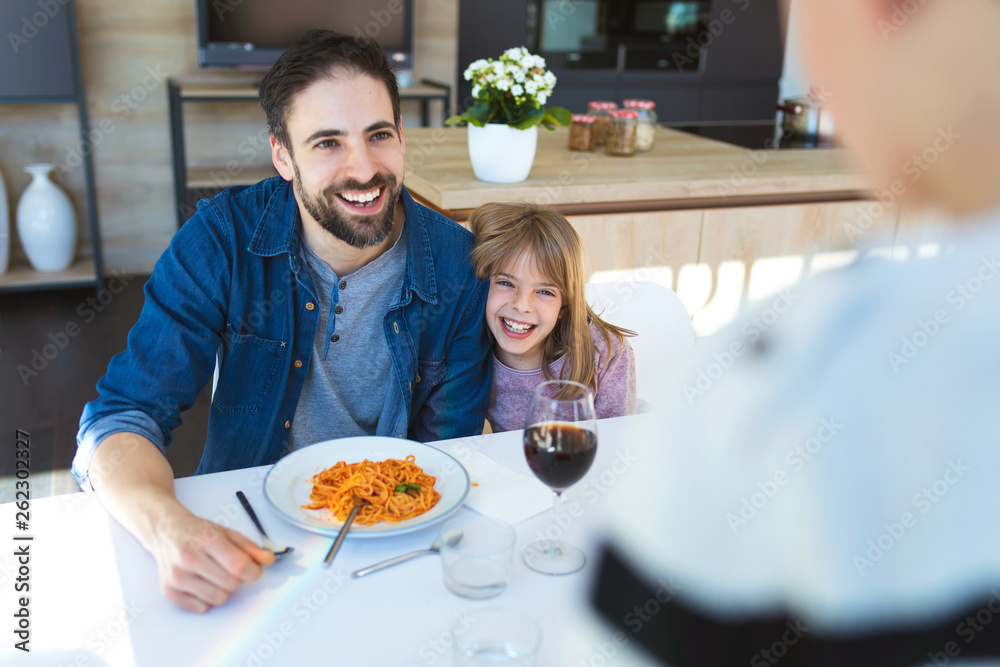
[831, 499]
[335, 304]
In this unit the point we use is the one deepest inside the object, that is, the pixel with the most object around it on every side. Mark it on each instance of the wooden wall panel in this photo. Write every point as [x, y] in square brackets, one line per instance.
[127, 50]
[651, 246]
[748, 254]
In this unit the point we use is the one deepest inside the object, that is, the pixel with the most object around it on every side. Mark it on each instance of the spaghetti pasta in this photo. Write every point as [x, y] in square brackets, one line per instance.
[390, 490]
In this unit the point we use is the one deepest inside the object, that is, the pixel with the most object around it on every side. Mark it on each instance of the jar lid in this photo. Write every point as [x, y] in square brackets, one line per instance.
[584, 118]
[602, 105]
[624, 113]
[639, 104]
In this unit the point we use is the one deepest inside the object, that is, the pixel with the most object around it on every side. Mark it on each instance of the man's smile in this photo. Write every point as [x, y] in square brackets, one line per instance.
[362, 200]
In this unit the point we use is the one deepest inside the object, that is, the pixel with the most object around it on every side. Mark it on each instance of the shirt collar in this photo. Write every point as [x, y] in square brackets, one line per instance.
[420, 276]
[274, 235]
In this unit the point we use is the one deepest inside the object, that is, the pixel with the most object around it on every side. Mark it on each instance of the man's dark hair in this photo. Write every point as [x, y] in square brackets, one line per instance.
[311, 58]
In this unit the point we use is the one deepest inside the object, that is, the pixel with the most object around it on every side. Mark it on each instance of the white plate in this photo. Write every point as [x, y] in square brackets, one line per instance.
[289, 482]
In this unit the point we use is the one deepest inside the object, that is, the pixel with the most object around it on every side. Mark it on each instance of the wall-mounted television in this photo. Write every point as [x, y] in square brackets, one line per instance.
[251, 34]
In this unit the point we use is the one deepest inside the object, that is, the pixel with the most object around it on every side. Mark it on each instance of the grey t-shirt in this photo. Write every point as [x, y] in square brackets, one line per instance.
[347, 381]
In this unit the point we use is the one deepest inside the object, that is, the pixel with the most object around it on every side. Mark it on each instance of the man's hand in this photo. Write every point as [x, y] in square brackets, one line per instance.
[199, 562]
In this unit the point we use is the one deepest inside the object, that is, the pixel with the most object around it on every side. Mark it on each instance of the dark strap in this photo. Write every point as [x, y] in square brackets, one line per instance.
[652, 615]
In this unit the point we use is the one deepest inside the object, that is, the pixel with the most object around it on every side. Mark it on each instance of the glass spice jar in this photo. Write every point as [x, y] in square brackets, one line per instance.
[645, 133]
[600, 109]
[582, 132]
[620, 139]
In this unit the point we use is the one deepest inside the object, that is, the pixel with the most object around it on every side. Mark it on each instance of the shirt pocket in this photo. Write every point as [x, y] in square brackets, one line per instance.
[431, 373]
[249, 365]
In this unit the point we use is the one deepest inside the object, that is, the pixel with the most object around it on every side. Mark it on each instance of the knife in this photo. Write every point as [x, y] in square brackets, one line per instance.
[335, 547]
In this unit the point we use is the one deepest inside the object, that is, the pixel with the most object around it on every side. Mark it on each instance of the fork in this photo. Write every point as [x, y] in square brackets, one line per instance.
[267, 543]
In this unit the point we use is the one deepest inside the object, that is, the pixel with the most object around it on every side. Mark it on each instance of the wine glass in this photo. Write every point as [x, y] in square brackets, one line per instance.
[560, 442]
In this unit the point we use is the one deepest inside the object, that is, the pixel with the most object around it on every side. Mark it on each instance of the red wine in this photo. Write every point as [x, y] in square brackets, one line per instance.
[559, 454]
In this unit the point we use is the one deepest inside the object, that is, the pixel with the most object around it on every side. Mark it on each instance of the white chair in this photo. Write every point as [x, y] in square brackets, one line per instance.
[664, 341]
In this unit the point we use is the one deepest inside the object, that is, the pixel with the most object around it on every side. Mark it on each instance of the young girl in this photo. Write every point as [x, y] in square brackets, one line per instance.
[536, 311]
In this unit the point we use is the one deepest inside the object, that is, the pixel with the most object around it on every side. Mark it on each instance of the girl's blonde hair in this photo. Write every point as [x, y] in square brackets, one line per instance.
[505, 232]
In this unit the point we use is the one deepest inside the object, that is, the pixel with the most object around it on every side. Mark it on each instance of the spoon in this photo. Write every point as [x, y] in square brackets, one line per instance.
[268, 544]
[451, 538]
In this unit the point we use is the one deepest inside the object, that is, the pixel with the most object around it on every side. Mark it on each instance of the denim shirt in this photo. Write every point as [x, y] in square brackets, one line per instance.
[233, 282]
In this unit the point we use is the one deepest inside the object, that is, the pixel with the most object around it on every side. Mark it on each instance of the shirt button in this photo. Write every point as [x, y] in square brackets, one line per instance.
[310, 306]
[298, 364]
[288, 424]
[334, 338]
[343, 284]
[417, 380]
[338, 310]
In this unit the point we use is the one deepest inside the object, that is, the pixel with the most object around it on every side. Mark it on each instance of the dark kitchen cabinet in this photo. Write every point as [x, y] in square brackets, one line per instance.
[725, 67]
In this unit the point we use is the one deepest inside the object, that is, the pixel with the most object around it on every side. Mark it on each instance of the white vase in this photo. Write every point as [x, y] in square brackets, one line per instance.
[46, 223]
[4, 228]
[500, 153]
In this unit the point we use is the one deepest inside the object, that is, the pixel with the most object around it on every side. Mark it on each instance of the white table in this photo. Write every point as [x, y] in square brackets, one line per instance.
[95, 597]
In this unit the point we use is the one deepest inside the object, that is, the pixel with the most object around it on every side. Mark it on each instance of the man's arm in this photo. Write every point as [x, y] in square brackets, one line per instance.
[170, 356]
[199, 563]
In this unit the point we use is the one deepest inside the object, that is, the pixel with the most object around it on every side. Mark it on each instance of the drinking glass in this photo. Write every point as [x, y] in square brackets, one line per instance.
[560, 442]
[479, 564]
[494, 636]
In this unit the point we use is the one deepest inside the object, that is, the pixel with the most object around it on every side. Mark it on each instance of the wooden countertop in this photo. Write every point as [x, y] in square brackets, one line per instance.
[682, 171]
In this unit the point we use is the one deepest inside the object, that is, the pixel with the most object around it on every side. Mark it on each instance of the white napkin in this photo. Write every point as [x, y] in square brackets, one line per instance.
[502, 493]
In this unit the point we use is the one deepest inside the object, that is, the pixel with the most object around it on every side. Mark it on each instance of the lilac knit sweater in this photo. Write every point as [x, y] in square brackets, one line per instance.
[512, 389]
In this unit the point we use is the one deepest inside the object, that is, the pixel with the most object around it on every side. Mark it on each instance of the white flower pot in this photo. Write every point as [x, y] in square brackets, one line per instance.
[46, 223]
[500, 153]
[4, 228]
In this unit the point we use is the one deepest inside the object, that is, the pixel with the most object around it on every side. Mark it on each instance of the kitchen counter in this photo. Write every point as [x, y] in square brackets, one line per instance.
[683, 171]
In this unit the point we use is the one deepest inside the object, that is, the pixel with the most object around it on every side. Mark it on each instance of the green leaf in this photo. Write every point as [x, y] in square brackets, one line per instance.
[531, 119]
[557, 116]
[478, 114]
[403, 488]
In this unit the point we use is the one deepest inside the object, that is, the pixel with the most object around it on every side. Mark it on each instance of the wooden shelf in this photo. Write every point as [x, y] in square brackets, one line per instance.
[247, 91]
[21, 277]
[202, 177]
[51, 74]
[181, 91]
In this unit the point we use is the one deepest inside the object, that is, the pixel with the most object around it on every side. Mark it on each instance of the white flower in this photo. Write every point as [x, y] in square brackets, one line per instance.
[516, 53]
[517, 73]
[473, 68]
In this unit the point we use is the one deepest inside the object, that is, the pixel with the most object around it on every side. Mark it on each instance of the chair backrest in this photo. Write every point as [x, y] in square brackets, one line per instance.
[664, 341]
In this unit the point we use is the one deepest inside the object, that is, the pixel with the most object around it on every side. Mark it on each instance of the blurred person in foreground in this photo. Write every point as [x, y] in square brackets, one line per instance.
[830, 499]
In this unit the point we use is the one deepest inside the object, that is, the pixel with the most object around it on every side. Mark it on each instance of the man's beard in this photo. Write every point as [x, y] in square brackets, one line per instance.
[357, 231]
